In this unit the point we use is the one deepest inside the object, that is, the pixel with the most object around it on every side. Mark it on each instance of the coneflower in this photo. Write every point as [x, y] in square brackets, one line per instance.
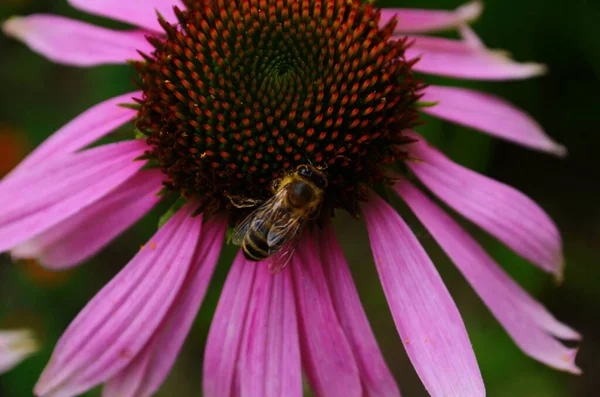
[234, 96]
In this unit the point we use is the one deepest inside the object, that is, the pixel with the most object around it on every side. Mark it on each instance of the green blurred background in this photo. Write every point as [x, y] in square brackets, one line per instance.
[37, 97]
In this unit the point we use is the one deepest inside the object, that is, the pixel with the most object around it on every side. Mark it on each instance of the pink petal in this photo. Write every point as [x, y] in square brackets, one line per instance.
[489, 114]
[151, 367]
[528, 322]
[425, 314]
[270, 353]
[15, 346]
[376, 378]
[462, 59]
[422, 21]
[72, 42]
[81, 236]
[35, 201]
[115, 326]
[143, 15]
[85, 129]
[129, 381]
[224, 342]
[470, 37]
[502, 211]
[326, 353]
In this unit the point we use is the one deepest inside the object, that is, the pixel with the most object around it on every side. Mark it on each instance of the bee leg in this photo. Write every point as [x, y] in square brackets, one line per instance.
[243, 202]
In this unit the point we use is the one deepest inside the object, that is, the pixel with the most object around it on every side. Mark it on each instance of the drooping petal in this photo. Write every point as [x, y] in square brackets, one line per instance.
[151, 367]
[462, 59]
[143, 15]
[84, 234]
[489, 114]
[425, 314]
[470, 37]
[15, 346]
[270, 363]
[224, 342]
[504, 212]
[77, 43]
[376, 378]
[85, 129]
[423, 21]
[327, 356]
[121, 319]
[35, 201]
[528, 322]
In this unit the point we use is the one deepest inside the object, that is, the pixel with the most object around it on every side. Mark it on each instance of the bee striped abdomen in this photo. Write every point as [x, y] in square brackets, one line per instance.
[255, 246]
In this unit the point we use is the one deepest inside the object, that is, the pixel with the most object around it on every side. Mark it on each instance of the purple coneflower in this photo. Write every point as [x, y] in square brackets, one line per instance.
[15, 346]
[235, 95]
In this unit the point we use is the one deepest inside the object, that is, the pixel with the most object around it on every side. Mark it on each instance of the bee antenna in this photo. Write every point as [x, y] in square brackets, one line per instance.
[340, 156]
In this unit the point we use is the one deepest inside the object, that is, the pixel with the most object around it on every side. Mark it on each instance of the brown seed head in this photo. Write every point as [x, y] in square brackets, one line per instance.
[239, 93]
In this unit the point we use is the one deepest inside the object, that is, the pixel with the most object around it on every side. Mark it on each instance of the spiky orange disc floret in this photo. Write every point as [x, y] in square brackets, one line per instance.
[240, 92]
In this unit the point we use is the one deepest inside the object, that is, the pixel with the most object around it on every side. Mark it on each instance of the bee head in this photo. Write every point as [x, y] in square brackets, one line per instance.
[313, 174]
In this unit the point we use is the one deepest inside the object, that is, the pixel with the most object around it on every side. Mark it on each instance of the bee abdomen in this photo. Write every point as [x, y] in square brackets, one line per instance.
[255, 247]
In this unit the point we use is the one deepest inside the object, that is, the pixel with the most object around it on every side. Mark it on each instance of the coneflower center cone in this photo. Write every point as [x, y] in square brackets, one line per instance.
[238, 93]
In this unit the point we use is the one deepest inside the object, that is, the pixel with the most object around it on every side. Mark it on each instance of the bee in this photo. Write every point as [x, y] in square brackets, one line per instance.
[271, 230]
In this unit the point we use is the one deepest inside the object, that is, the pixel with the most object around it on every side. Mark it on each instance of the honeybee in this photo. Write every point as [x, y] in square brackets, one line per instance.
[271, 230]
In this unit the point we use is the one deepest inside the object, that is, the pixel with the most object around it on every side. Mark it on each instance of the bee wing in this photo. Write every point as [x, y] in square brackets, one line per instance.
[282, 239]
[279, 260]
[283, 229]
[240, 231]
[265, 214]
